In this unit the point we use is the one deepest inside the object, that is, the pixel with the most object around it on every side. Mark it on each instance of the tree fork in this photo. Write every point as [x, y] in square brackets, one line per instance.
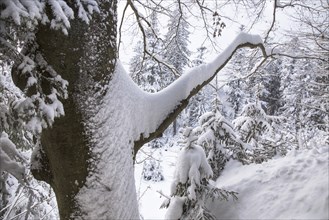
[180, 107]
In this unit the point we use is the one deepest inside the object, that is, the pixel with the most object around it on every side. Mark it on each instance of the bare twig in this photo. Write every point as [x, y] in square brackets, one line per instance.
[162, 194]
[140, 18]
[121, 23]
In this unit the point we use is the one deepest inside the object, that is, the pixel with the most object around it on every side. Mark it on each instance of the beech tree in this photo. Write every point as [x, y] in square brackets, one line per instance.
[90, 117]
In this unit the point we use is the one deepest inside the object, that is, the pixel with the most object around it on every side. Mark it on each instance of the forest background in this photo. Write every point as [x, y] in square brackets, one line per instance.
[256, 110]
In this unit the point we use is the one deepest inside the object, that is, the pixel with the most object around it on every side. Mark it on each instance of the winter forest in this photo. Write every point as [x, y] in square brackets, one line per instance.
[150, 109]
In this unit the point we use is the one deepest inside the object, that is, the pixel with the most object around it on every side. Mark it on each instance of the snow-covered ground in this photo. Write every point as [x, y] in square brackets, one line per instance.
[292, 187]
[148, 194]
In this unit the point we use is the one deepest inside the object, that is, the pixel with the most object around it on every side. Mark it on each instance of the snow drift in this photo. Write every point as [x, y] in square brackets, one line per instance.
[292, 187]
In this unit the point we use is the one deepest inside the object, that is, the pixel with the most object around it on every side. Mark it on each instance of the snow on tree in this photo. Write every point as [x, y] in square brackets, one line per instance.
[30, 13]
[18, 26]
[11, 121]
[304, 85]
[152, 170]
[271, 83]
[176, 48]
[191, 189]
[144, 70]
[21, 196]
[192, 164]
[259, 130]
[304, 108]
[107, 117]
[236, 95]
[177, 40]
[9, 157]
[318, 102]
[199, 104]
[236, 87]
[143, 116]
[221, 142]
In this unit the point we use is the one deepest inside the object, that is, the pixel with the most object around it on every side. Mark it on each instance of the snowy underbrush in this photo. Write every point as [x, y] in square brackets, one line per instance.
[29, 200]
[290, 187]
[21, 196]
[148, 191]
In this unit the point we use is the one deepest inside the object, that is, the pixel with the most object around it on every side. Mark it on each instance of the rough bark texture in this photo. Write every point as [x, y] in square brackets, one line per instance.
[64, 145]
[86, 59]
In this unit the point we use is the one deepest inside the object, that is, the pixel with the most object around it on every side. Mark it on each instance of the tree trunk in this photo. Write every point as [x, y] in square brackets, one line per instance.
[87, 155]
[86, 59]
[64, 146]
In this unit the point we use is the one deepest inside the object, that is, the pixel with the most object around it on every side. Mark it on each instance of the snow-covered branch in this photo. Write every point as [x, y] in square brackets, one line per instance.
[8, 156]
[31, 12]
[172, 100]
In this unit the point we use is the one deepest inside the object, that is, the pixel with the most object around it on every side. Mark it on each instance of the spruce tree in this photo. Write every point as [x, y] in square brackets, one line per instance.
[176, 48]
[199, 103]
[191, 188]
[144, 70]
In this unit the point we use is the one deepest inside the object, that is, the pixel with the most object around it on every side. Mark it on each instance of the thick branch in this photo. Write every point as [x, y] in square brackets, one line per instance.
[243, 40]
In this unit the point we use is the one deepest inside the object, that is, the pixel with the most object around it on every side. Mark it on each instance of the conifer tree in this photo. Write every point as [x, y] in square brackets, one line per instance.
[16, 182]
[198, 104]
[144, 70]
[177, 40]
[258, 129]
[191, 188]
[221, 142]
[271, 83]
[237, 89]
[176, 49]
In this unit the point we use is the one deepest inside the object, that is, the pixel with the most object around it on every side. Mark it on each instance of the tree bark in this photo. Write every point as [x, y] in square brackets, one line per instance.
[87, 155]
[86, 59]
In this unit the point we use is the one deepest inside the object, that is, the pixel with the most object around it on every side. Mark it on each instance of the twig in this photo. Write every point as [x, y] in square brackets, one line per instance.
[162, 194]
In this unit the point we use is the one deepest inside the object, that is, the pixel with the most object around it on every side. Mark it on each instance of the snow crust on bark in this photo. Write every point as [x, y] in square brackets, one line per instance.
[109, 191]
[125, 113]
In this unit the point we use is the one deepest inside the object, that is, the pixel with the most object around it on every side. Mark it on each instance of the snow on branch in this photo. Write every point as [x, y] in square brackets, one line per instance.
[30, 12]
[9, 156]
[173, 99]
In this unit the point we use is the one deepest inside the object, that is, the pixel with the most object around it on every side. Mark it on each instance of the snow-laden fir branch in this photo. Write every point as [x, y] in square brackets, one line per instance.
[8, 156]
[31, 12]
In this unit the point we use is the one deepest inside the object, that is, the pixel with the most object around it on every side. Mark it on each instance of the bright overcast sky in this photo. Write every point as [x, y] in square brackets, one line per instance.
[131, 34]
